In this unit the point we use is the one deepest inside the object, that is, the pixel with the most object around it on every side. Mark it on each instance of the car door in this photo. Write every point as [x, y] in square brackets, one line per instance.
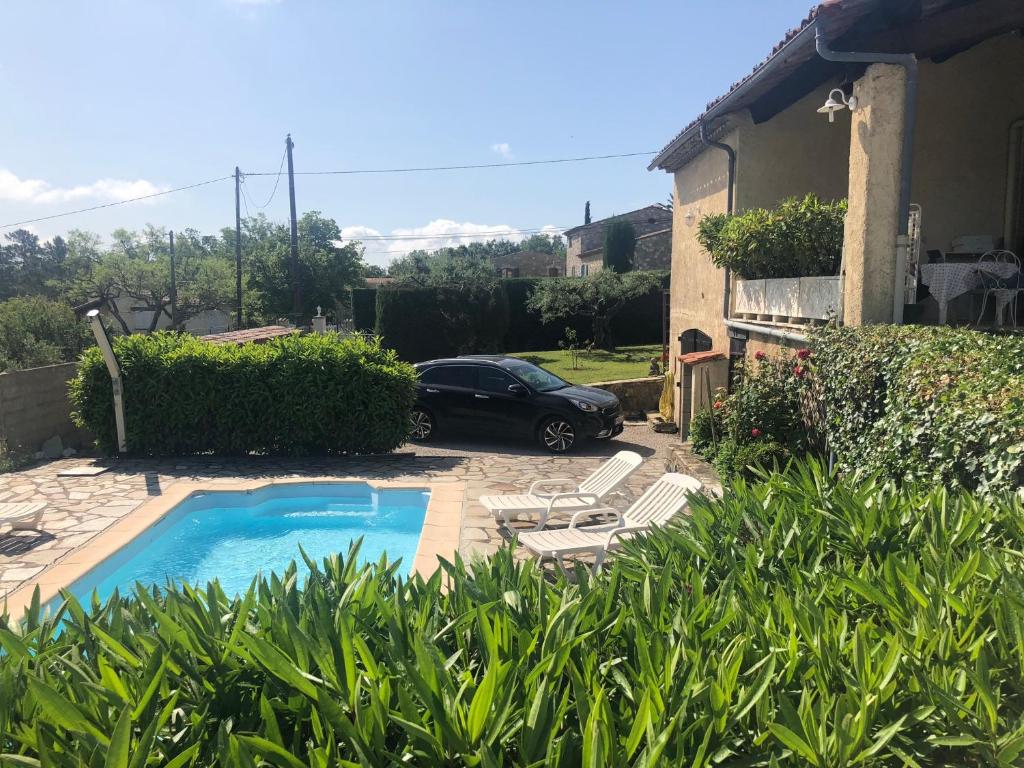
[447, 390]
[499, 409]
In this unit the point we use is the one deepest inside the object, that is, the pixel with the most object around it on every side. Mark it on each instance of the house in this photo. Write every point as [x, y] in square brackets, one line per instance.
[653, 225]
[133, 317]
[913, 111]
[529, 264]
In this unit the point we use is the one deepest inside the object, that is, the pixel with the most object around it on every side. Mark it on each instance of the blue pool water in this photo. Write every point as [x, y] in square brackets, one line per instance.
[232, 536]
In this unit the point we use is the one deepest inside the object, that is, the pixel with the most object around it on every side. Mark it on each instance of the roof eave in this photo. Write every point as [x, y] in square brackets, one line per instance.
[726, 104]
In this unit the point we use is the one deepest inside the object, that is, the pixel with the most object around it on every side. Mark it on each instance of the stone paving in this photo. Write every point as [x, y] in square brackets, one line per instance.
[79, 508]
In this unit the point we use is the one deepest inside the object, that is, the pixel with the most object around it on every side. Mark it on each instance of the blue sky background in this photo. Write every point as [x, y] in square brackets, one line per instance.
[109, 99]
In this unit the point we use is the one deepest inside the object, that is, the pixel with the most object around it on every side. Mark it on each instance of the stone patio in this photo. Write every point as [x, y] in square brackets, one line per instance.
[79, 508]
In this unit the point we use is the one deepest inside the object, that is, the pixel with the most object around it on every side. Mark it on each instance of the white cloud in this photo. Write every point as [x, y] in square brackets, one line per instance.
[439, 233]
[502, 149]
[14, 189]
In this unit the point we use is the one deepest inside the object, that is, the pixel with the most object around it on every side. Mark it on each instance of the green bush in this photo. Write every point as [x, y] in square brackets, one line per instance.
[364, 309]
[37, 331]
[800, 238]
[798, 621]
[762, 423]
[936, 404]
[427, 323]
[296, 395]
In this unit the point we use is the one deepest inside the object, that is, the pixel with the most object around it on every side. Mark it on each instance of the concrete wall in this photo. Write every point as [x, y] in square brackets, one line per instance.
[34, 407]
[961, 146]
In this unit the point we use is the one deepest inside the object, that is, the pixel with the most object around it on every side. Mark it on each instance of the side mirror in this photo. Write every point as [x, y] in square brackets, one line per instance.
[517, 389]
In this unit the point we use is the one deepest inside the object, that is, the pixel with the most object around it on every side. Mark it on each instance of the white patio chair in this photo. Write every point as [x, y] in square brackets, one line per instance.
[1002, 281]
[659, 504]
[22, 515]
[585, 495]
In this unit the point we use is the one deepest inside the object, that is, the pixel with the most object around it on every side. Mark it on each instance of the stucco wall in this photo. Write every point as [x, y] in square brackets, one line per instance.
[795, 152]
[965, 108]
[697, 284]
[34, 407]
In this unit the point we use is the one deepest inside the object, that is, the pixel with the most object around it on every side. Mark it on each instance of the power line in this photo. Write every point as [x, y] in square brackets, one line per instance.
[118, 202]
[458, 167]
[280, 169]
[548, 229]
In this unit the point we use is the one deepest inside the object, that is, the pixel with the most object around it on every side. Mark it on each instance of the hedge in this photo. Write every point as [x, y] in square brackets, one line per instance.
[936, 404]
[427, 323]
[413, 327]
[799, 621]
[364, 309]
[799, 238]
[295, 395]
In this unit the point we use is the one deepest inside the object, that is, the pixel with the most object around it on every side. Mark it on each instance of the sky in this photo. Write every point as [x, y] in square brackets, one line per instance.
[111, 99]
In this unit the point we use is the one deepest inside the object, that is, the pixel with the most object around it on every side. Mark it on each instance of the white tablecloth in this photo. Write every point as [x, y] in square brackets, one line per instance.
[947, 281]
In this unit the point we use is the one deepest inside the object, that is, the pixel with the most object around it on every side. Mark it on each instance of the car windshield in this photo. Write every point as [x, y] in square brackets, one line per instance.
[536, 377]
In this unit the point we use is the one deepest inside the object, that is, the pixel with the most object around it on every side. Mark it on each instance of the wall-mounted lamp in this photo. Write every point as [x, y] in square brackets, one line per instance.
[836, 101]
[691, 216]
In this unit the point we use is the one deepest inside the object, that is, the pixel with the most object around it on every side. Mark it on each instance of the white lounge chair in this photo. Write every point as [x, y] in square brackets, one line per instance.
[18, 514]
[585, 495]
[659, 504]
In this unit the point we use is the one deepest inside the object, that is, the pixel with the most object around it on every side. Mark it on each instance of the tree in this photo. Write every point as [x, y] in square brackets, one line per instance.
[586, 213]
[464, 267]
[28, 266]
[545, 243]
[374, 270]
[35, 331]
[600, 297]
[619, 245]
[326, 269]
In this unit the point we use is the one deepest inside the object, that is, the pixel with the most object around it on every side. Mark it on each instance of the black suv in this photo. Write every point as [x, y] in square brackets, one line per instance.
[508, 396]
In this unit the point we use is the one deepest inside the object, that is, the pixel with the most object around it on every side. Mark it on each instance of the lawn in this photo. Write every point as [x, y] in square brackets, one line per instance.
[598, 365]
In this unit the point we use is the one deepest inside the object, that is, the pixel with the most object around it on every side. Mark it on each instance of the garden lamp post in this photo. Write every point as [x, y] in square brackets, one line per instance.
[115, 376]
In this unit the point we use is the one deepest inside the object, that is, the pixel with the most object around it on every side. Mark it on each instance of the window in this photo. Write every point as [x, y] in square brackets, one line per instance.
[535, 376]
[493, 380]
[449, 376]
[574, 270]
[584, 270]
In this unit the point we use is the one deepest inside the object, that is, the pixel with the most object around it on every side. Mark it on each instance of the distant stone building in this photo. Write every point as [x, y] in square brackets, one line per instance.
[529, 264]
[653, 225]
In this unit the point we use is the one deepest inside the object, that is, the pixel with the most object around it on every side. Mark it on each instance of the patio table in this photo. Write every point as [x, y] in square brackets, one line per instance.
[947, 281]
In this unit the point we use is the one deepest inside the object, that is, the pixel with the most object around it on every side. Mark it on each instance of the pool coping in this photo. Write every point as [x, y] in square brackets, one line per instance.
[439, 538]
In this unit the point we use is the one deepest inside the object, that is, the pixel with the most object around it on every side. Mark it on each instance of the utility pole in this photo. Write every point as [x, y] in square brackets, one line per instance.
[238, 247]
[296, 288]
[174, 287]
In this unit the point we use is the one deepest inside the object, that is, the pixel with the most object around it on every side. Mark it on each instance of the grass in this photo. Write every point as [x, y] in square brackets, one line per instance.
[598, 365]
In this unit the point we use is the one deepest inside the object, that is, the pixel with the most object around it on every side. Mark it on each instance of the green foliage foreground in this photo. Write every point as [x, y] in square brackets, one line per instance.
[799, 621]
[297, 395]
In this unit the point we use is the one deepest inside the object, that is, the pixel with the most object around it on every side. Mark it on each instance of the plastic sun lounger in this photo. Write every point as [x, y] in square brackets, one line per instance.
[585, 495]
[16, 513]
[659, 504]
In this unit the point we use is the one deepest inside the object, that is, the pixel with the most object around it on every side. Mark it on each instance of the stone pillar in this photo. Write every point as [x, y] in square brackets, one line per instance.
[876, 144]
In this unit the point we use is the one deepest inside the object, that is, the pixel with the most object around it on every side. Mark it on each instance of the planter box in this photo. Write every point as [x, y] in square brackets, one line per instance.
[786, 299]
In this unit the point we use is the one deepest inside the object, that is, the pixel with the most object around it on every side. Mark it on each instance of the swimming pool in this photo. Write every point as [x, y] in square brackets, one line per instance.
[231, 536]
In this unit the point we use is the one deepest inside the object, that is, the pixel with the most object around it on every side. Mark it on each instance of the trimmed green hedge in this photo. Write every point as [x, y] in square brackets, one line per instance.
[427, 323]
[800, 621]
[799, 238]
[364, 309]
[937, 404]
[296, 395]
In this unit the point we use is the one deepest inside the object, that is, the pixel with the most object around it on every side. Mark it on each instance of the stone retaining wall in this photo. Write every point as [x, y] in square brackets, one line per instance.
[635, 394]
[34, 407]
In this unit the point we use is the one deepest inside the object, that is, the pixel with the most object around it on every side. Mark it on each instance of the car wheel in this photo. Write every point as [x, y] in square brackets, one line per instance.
[558, 435]
[421, 427]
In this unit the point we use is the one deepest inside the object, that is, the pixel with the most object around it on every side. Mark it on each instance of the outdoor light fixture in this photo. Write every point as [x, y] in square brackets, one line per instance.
[691, 216]
[115, 376]
[836, 101]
